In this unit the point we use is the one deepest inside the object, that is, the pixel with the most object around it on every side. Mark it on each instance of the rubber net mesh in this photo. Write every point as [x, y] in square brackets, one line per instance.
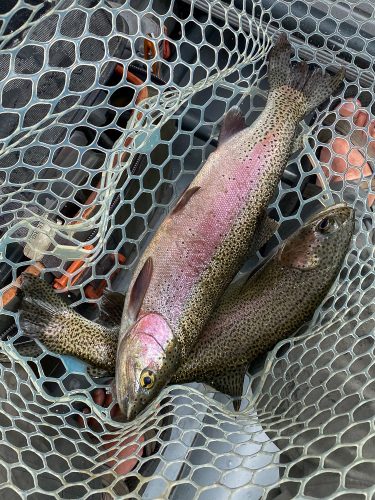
[108, 109]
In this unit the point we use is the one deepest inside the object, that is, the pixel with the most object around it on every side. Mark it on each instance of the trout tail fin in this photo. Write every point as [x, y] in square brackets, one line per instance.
[45, 315]
[314, 86]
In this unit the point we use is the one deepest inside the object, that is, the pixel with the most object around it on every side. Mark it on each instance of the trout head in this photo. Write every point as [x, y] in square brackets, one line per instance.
[147, 357]
[322, 241]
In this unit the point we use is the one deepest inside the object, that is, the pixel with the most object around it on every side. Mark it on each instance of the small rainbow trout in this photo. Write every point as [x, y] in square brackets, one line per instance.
[248, 321]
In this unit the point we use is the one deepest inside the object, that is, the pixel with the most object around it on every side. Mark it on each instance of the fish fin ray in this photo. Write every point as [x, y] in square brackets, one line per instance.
[110, 308]
[184, 198]
[139, 289]
[230, 383]
[233, 122]
[279, 62]
[42, 310]
[44, 315]
[315, 86]
[267, 227]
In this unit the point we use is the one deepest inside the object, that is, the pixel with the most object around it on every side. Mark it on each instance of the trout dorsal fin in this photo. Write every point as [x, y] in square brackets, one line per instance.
[185, 197]
[110, 308]
[231, 383]
[139, 289]
[233, 122]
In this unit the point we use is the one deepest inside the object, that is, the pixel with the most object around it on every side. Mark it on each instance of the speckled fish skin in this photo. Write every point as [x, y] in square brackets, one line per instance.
[198, 249]
[276, 301]
[46, 316]
[247, 321]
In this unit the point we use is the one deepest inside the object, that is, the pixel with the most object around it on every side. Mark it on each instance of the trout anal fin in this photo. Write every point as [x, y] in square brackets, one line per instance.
[266, 228]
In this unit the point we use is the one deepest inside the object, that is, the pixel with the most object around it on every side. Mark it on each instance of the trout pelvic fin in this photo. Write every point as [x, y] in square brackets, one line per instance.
[266, 228]
[233, 122]
[185, 197]
[110, 308]
[139, 289]
[230, 383]
[315, 86]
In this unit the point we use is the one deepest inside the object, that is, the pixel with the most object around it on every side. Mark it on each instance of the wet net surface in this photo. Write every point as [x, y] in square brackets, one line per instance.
[108, 109]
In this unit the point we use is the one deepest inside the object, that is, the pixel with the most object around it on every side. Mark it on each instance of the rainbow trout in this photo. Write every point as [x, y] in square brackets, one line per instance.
[248, 321]
[203, 242]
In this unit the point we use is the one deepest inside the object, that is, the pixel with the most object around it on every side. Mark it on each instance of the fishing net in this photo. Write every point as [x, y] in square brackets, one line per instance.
[108, 109]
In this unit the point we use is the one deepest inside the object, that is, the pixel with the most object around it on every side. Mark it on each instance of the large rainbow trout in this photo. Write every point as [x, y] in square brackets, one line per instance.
[203, 242]
[248, 321]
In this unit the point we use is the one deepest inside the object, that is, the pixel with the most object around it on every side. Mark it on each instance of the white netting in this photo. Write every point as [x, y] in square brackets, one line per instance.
[108, 109]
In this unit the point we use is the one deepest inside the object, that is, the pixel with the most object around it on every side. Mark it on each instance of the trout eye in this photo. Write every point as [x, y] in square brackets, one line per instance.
[147, 379]
[327, 224]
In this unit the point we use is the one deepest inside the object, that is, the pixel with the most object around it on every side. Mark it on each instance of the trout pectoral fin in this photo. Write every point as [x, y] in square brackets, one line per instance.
[230, 383]
[233, 122]
[139, 289]
[110, 308]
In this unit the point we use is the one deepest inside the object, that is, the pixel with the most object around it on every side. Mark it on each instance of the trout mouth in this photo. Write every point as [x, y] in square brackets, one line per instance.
[129, 410]
[125, 387]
